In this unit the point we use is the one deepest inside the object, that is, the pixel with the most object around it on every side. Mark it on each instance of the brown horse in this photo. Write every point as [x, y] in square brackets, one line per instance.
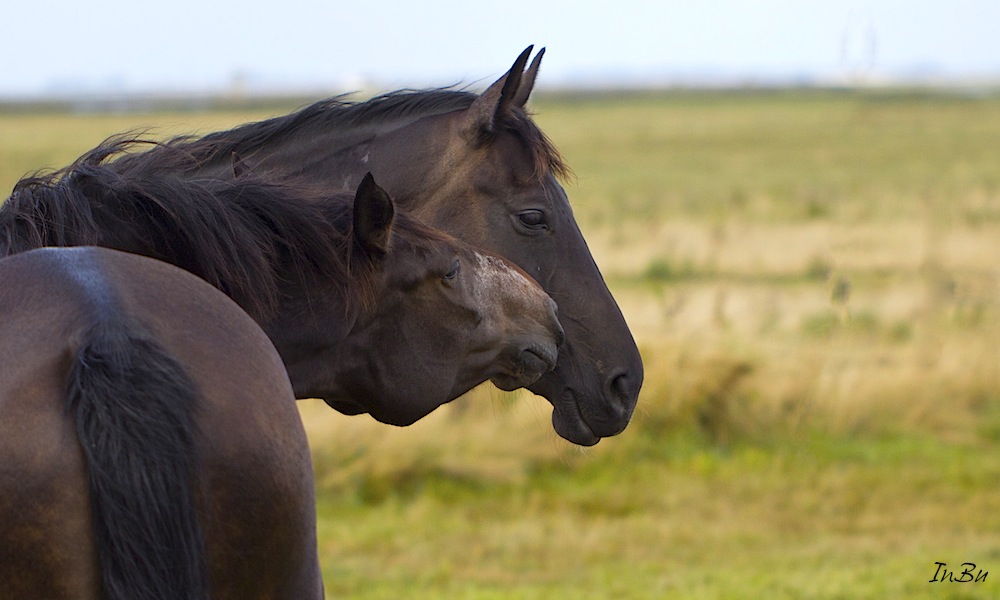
[370, 310]
[149, 438]
[478, 167]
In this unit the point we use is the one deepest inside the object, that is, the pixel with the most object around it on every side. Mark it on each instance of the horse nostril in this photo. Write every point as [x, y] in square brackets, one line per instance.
[620, 395]
[621, 389]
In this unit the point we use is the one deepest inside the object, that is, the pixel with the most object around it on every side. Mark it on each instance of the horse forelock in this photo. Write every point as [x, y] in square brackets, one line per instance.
[546, 157]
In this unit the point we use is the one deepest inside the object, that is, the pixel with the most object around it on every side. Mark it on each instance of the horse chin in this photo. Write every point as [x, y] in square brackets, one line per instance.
[506, 383]
[569, 422]
[346, 407]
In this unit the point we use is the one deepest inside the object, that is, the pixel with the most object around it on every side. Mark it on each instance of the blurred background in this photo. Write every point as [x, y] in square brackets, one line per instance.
[115, 47]
[797, 206]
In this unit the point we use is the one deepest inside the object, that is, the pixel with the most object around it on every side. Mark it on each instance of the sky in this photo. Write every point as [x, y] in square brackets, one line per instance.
[204, 46]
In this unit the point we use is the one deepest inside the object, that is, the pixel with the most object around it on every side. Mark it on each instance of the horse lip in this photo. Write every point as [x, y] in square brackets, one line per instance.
[542, 357]
[530, 364]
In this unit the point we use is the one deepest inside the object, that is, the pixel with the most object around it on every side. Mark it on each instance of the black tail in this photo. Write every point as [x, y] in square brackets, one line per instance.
[134, 409]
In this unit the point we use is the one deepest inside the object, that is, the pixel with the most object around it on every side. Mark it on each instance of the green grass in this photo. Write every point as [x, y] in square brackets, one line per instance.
[676, 515]
[812, 280]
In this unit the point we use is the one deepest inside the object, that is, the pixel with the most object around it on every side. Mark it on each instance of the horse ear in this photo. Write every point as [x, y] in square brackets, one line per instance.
[373, 214]
[495, 103]
[528, 81]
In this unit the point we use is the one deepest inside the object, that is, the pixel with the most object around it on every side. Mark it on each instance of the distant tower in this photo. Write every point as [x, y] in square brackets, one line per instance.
[238, 83]
[858, 48]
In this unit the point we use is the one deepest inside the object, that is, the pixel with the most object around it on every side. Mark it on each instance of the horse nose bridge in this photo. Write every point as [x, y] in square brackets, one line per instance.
[540, 321]
[538, 331]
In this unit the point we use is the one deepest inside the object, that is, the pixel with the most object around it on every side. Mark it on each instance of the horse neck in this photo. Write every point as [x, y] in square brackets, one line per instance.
[308, 329]
[294, 153]
[337, 156]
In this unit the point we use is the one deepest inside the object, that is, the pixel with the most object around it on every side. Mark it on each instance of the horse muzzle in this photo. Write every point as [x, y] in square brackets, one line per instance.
[527, 365]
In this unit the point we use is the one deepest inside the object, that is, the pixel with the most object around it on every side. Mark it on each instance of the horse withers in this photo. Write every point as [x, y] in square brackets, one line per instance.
[478, 167]
[150, 444]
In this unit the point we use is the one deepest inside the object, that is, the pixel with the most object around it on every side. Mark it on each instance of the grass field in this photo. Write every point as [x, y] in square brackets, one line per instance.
[812, 279]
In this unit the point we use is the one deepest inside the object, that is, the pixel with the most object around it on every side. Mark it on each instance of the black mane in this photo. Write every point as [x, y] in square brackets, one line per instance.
[400, 107]
[246, 235]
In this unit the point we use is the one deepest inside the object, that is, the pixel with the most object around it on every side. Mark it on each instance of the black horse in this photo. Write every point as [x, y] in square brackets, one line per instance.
[478, 167]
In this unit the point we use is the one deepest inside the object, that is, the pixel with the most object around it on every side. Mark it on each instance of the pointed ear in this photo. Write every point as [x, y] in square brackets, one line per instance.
[373, 214]
[528, 81]
[490, 107]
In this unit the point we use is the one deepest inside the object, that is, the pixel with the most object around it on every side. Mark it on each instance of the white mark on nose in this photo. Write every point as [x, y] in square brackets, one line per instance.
[499, 282]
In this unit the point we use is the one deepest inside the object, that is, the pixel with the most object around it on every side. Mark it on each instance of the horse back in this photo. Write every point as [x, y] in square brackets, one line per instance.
[252, 478]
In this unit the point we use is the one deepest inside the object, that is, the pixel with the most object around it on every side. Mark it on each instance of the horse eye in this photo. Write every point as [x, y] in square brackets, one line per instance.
[453, 273]
[532, 219]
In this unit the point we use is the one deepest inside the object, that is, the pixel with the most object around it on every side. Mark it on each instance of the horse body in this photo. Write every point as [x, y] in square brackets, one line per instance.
[479, 168]
[150, 439]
